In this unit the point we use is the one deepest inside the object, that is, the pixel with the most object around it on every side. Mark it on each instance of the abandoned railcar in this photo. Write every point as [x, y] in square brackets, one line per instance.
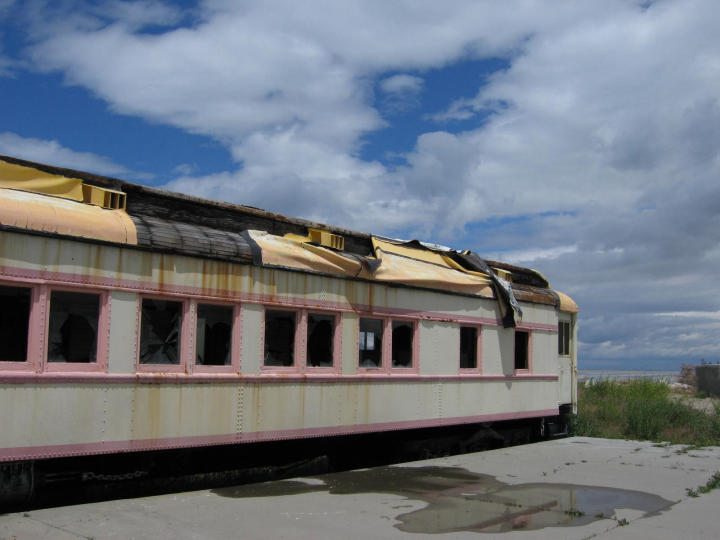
[134, 319]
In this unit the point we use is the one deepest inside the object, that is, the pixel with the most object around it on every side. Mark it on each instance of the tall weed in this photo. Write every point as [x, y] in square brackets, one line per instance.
[641, 409]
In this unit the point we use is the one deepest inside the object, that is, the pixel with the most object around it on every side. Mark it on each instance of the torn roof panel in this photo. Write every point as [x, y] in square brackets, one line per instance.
[177, 223]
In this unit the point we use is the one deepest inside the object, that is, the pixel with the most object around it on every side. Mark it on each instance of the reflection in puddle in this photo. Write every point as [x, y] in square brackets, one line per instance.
[460, 500]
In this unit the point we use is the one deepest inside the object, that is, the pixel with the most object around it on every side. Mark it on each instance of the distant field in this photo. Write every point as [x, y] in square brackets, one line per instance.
[626, 374]
[644, 409]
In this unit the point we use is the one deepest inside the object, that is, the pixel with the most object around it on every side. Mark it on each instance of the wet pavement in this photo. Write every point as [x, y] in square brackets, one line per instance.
[568, 488]
[460, 500]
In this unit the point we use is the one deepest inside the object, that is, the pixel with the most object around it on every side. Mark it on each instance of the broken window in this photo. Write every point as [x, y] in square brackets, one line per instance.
[370, 343]
[564, 338]
[73, 327]
[214, 335]
[14, 323]
[522, 342]
[402, 344]
[468, 347]
[160, 331]
[279, 338]
[320, 333]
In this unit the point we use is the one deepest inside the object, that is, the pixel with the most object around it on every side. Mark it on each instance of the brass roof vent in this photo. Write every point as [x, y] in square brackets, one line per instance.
[105, 198]
[327, 239]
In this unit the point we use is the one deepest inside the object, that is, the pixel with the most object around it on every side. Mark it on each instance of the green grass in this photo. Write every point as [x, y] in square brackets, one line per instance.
[641, 410]
[713, 483]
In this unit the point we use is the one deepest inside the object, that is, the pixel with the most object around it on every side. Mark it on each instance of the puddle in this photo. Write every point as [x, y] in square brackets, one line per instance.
[459, 500]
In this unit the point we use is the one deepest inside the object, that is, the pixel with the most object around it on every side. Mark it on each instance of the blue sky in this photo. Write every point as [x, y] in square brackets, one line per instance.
[42, 106]
[579, 138]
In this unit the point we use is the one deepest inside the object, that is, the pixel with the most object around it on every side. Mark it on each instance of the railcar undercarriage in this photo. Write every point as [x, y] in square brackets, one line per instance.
[64, 481]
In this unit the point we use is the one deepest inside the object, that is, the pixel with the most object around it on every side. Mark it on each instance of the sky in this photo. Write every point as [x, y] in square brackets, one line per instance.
[580, 138]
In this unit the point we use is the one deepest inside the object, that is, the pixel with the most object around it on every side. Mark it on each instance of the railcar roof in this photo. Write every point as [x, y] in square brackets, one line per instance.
[178, 223]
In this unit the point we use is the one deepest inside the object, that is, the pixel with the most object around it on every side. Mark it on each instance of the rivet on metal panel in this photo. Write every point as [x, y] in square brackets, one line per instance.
[239, 409]
[440, 400]
[104, 418]
[256, 406]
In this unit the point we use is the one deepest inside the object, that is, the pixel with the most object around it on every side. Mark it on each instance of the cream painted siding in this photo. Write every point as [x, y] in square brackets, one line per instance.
[168, 411]
[153, 408]
[123, 332]
[349, 347]
[506, 338]
[539, 314]
[70, 413]
[491, 347]
[544, 351]
[439, 348]
[456, 305]
[158, 273]
[252, 339]
[52, 415]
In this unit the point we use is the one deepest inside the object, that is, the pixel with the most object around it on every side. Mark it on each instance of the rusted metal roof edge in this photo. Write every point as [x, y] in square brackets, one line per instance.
[528, 294]
[130, 187]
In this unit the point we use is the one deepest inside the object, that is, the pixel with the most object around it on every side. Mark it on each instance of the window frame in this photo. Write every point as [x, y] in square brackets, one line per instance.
[235, 338]
[386, 366]
[184, 344]
[295, 367]
[413, 344]
[35, 332]
[300, 344]
[528, 369]
[383, 347]
[102, 340]
[39, 330]
[336, 342]
[478, 349]
[568, 339]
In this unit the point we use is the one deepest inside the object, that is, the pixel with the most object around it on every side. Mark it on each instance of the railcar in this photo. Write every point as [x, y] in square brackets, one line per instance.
[134, 319]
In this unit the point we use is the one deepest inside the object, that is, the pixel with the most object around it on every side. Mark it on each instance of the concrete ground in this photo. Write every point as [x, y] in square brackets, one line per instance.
[569, 488]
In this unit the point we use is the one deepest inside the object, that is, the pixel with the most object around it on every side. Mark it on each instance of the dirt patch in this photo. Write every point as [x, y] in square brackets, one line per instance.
[706, 405]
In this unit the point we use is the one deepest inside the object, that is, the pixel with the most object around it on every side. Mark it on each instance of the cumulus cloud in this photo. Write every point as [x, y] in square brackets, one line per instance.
[595, 155]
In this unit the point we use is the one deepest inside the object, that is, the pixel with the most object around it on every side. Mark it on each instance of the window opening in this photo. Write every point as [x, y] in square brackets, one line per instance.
[564, 338]
[279, 338]
[214, 335]
[73, 327]
[521, 350]
[160, 331]
[320, 333]
[370, 346]
[468, 347]
[402, 343]
[14, 323]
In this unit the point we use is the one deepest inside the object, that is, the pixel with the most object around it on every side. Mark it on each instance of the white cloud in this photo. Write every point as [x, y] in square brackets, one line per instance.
[137, 14]
[52, 152]
[185, 169]
[602, 134]
[402, 84]
[700, 315]
[531, 255]
[400, 93]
